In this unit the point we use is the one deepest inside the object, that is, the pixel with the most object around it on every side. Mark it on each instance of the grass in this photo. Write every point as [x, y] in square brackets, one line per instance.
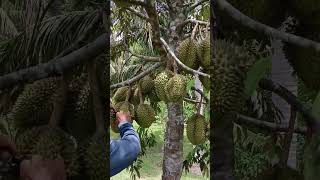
[152, 162]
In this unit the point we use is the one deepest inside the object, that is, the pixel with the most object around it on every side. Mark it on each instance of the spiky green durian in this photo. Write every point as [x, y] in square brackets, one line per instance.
[176, 88]
[229, 71]
[126, 106]
[79, 118]
[135, 100]
[50, 143]
[146, 84]
[120, 94]
[204, 52]
[196, 129]
[145, 115]
[35, 104]
[187, 53]
[160, 83]
[153, 97]
[95, 158]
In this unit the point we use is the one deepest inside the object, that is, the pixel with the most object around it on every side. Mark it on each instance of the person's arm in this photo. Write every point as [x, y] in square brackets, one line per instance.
[125, 150]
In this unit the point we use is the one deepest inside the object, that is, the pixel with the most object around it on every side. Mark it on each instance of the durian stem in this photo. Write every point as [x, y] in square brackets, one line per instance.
[96, 97]
[194, 31]
[59, 101]
[175, 67]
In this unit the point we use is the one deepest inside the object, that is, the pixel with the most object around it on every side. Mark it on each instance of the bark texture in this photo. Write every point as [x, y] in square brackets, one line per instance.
[173, 147]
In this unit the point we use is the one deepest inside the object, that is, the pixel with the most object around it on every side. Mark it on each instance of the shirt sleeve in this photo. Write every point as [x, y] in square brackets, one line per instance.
[124, 150]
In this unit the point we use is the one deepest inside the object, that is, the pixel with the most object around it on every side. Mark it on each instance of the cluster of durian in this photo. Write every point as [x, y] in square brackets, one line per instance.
[132, 99]
[31, 115]
[165, 86]
[229, 69]
[194, 54]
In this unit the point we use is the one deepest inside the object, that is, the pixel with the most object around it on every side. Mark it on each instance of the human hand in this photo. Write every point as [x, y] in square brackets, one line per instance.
[122, 117]
[42, 169]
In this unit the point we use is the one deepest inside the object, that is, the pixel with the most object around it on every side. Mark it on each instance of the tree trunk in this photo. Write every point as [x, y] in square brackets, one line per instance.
[222, 147]
[173, 147]
[282, 74]
[221, 132]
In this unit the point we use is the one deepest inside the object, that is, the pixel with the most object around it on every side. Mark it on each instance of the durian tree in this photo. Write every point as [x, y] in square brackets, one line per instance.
[162, 45]
[236, 23]
[54, 59]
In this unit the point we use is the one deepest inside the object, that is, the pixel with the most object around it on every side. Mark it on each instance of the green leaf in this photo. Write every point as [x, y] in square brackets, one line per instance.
[255, 74]
[316, 106]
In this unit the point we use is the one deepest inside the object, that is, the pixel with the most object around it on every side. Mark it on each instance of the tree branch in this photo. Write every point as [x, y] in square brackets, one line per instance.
[291, 99]
[193, 6]
[245, 120]
[179, 62]
[267, 30]
[136, 78]
[56, 66]
[200, 92]
[146, 58]
[193, 101]
[288, 138]
[139, 14]
[194, 21]
[155, 27]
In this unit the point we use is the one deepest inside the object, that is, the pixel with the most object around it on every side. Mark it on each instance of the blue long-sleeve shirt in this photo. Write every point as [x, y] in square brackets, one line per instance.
[124, 150]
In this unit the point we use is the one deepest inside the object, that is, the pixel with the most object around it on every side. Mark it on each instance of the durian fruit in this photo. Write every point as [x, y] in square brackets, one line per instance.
[120, 94]
[95, 157]
[34, 105]
[187, 53]
[118, 105]
[135, 98]
[160, 83]
[50, 143]
[204, 52]
[153, 97]
[145, 115]
[78, 119]
[305, 61]
[229, 71]
[126, 106]
[147, 84]
[176, 88]
[196, 129]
